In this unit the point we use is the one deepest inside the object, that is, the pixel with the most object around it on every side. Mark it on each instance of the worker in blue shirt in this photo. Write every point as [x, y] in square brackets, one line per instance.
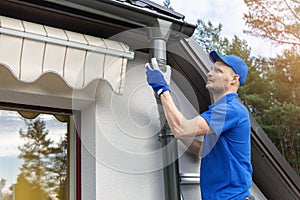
[226, 171]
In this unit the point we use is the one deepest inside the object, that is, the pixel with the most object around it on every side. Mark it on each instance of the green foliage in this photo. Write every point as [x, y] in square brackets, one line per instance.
[286, 76]
[209, 37]
[35, 151]
[282, 123]
[167, 4]
[278, 21]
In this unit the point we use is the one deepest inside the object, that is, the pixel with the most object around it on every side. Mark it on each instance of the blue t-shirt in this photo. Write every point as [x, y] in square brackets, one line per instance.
[226, 171]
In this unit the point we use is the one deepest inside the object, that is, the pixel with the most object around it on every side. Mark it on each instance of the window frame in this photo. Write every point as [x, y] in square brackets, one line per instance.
[76, 127]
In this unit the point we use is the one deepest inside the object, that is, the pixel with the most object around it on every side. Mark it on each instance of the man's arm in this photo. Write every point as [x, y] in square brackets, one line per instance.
[180, 126]
[194, 146]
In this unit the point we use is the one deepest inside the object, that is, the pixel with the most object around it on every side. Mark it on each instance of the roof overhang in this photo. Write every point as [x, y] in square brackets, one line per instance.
[103, 18]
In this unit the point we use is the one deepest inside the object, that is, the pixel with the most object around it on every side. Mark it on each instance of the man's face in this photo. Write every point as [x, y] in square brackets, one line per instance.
[220, 78]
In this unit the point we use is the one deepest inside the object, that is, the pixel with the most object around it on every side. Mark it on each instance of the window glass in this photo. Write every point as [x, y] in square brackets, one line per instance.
[35, 156]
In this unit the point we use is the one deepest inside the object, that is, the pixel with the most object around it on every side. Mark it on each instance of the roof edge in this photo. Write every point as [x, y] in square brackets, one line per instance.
[127, 13]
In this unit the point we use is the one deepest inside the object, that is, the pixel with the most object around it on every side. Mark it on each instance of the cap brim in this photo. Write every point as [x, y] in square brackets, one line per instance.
[213, 55]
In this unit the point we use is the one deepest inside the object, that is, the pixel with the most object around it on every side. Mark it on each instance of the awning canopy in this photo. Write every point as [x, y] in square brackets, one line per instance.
[30, 50]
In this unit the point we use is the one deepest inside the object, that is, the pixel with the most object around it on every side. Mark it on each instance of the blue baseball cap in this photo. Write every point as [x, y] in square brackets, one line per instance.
[235, 62]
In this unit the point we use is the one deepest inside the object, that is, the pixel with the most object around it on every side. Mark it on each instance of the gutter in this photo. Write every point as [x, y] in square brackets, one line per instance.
[130, 14]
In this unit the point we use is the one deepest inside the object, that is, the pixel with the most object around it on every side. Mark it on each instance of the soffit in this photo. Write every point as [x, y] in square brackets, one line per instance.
[30, 50]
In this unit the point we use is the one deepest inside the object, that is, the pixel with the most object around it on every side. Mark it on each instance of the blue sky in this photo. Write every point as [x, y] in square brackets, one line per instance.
[10, 124]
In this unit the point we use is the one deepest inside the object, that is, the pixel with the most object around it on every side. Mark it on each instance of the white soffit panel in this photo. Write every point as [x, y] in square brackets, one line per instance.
[30, 50]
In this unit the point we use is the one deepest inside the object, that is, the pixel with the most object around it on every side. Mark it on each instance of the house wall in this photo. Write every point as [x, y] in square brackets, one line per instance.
[128, 153]
[121, 153]
[88, 146]
[128, 161]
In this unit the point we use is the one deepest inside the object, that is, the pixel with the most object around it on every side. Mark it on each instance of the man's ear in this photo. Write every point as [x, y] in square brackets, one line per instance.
[235, 78]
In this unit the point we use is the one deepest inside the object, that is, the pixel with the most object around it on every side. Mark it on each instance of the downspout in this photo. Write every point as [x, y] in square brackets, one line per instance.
[158, 35]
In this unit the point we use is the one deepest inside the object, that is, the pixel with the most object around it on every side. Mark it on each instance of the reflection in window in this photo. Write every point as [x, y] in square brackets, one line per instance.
[34, 160]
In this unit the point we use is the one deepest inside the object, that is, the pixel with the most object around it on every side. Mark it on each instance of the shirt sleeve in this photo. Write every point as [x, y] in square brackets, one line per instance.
[221, 117]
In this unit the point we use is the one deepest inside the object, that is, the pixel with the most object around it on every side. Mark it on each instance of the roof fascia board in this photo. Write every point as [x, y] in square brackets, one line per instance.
[99, 18]
[152, 5]
[62, 17]
[88, 7]
[125, 12]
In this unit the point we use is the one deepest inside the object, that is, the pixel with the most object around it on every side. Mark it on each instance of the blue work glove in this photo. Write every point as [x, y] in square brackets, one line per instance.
[158, 80]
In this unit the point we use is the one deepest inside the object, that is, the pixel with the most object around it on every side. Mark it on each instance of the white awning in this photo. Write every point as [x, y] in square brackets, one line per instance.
[30, 50]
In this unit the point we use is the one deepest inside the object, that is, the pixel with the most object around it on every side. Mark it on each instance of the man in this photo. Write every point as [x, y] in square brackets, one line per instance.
[226, 171]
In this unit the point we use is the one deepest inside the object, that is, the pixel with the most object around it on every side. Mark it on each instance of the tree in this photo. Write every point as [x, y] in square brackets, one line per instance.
[35, 151]
[2, 185]
[27, 190]
[286, 77]
[59, 168]
[278, 21]
[167, 4]
[209, 37]
[256, 93]
[282, 123]
[45, 164]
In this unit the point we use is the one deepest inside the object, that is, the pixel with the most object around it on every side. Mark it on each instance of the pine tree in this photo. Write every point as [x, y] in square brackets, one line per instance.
[45, 164]
[35, 152]
[167, 4]
[278, 21]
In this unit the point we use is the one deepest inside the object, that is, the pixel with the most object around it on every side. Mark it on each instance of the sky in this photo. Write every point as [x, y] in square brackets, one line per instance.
[229, 13]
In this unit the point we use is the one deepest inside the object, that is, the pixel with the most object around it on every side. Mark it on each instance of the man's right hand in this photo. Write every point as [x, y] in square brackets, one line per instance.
[158, 80]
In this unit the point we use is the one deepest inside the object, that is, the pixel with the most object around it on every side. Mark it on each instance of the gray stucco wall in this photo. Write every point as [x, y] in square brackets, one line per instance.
[123, 147]
[127, 153]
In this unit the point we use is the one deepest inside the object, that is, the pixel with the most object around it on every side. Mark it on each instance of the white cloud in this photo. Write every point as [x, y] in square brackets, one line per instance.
[10, 125]
[9, 144]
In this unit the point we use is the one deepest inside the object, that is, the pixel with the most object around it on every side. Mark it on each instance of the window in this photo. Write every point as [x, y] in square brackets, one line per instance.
[39, 154]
